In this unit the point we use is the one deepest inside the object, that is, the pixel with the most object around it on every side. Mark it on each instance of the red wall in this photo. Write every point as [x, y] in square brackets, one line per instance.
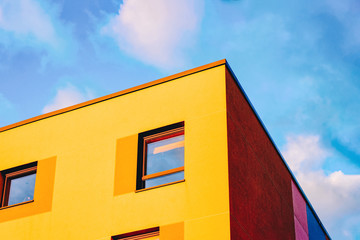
[259, 183]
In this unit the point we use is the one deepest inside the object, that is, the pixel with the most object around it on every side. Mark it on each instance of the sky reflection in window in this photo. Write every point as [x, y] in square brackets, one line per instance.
[22, 189]
[165, 154]
[164, 179]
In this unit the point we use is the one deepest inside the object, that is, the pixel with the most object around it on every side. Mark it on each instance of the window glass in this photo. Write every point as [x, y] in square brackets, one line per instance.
[165, 154]
[164, 179]
[21, 189]
[18, 184]
[161, 156]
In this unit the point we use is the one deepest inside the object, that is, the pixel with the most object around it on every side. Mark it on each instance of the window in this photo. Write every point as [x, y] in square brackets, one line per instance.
[148, 234]
[18, 184]
[161, 156]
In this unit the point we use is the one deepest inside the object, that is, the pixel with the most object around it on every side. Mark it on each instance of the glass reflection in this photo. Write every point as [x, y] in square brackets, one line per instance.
[165, 154]
[164, 179]
[22, 189]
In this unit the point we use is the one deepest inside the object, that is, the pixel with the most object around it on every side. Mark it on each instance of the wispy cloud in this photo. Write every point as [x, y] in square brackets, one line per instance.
[35, 24]
[347, 13]
[306, 53]
[26, 17]
[334, 196]
[156, 31]
[67, 96]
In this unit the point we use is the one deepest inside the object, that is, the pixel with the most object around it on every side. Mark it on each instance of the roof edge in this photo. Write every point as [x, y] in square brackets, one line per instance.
[114, 95]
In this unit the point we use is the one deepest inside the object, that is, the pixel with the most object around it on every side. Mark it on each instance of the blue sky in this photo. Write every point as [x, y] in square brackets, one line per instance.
[298, 61]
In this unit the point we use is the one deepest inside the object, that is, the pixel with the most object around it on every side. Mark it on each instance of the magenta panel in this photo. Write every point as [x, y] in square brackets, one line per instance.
[300, 233]
[299, 205]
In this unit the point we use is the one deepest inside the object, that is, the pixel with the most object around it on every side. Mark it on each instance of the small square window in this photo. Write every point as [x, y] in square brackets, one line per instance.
[148, 234]
[161, 156]
[18, 184]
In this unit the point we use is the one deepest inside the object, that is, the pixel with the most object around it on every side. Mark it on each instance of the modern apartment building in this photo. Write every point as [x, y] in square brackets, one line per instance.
[183, 157]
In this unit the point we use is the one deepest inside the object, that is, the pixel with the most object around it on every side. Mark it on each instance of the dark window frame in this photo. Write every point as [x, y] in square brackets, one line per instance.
[13, 173]
[154, 135]
[141, 234]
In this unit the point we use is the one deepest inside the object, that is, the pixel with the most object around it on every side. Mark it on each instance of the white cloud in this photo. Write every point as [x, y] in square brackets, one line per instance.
[156, 31]
[304, 153]
[67, 96]
[36, 24]
[26, 17]
[335, 196]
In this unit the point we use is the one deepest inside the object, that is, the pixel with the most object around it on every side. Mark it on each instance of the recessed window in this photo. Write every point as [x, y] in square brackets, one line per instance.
[148, 234]
[161, 156]
[18, 185]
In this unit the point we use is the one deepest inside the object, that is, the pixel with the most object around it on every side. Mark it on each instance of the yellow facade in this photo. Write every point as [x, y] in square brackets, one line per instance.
[87, 158]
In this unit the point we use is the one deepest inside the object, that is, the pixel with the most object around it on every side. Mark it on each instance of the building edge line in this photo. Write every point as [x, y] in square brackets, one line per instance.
[114, 95]
[276, 148]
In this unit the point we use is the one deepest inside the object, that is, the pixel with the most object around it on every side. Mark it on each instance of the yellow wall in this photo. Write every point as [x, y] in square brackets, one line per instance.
[86, 147]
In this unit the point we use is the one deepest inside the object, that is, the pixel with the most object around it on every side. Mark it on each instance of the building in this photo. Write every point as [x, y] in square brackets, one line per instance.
[183, 157]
